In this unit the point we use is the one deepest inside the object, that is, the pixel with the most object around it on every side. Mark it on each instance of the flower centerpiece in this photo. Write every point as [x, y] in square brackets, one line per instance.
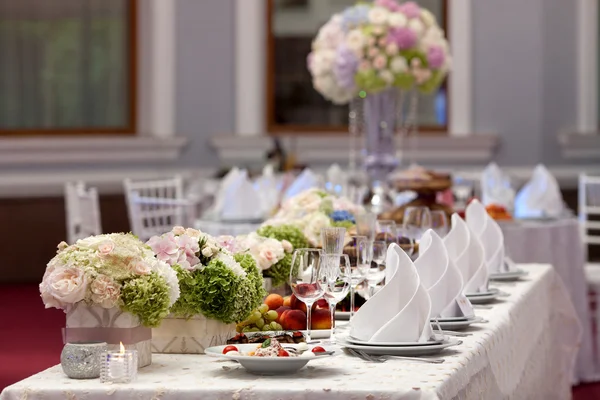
[376, 52]
[112, 288]
[218, 289]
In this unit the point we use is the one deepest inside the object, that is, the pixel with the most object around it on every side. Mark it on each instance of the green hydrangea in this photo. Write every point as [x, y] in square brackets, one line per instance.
[250, 290]
[187, 305]
[147, 297]
[342, 224]
[280, 272]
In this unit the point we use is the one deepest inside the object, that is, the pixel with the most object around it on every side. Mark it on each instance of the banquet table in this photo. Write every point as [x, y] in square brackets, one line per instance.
[558, 242]
[525, 350]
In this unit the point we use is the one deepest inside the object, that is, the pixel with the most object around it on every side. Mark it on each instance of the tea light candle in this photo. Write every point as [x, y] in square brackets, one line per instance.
[119, 366]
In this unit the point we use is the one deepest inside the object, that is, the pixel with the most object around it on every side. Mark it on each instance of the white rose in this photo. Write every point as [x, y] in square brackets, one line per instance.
[428, 18]
[378, 15]
[398, 65]
[387, 76]
[397, 20]
[207, 251]
[356, 40]
[287, 246]
[416, 26]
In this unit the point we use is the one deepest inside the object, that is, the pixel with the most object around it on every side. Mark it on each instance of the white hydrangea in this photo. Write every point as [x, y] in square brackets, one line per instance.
[397, 20]
[165, 271]
[356, 41]
[378, 15]
[428, 18]
[230, 263]
[398, 65]
[416, 26]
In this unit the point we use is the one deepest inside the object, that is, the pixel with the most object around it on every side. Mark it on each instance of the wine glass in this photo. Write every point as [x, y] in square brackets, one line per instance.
[332, 240]
[376, 274]
[364, 255]
[416, 221]
[304, 280]
[405, 241]
[439, 222]
[336, 280]
[366, 225]
[386, 231]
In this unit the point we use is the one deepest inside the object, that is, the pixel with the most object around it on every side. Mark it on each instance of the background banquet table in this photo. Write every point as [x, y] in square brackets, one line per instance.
[525, 350]
[558, 242]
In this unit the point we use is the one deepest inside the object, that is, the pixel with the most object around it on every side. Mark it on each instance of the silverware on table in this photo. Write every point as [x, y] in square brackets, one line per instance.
[381, 359]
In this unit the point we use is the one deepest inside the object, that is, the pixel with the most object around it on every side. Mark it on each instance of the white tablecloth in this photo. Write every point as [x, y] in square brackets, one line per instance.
[525, 351]
[558, 243]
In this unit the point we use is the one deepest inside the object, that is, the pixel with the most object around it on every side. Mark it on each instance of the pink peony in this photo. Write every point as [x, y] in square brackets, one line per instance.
[165, 247]
[404, 38]
[62, 286]
[436, 57]
[105, 291]
[106, 247]
[410, 9]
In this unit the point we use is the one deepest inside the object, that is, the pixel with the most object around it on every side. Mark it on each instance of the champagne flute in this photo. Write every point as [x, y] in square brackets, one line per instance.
[304, 280]
[336, 281]
[439, 222]
[332, 240]
[386, 231]
[364, 256]
[376, 273]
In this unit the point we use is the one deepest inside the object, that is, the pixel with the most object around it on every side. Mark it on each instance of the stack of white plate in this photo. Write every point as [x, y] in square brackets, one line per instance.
[413, 349]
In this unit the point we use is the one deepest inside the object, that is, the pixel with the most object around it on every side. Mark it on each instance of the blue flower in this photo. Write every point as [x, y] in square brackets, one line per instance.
[342, 215]
[355, 16]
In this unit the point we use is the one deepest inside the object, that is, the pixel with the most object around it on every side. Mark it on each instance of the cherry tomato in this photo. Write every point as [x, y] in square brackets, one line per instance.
[318, 349]
[283, 353]
[227, 349]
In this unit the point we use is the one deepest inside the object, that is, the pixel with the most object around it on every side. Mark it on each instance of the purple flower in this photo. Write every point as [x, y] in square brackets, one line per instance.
[436, 57]
[410, 9]
[344, 67]
[405, 38]
[355, 16]
[389, 4]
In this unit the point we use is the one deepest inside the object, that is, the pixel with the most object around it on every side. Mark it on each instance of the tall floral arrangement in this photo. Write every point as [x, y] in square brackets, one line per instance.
[376, 46]
[113, 270]
[213, 281]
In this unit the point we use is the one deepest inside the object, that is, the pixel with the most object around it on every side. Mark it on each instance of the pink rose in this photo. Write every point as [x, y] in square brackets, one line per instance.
[63, 286]
[178, 230]
[106, 247]
[141, 268]
[105, 291]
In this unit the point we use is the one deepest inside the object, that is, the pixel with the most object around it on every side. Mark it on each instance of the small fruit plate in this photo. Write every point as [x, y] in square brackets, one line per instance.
[271, 365]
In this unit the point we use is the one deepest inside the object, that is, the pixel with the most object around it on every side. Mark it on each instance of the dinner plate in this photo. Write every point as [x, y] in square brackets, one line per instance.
[342, 315]
[490, 291]
[458, 324]
[483, 299]
[268, 365]
[450, 319]
[352, 340]
[401, 350]
[508, 276]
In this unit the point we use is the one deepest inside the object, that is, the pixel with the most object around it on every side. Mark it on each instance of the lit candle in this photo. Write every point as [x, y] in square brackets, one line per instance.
[119, 366]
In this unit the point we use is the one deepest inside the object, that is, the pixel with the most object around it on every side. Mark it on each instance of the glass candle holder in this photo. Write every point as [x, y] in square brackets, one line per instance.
[119, 366]
[82, 360]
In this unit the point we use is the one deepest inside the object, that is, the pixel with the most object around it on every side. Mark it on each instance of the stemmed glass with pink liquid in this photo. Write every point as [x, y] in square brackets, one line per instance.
[305, 273]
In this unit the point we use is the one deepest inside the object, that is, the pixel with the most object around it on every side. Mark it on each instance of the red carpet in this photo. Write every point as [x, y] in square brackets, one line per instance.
[30, 338]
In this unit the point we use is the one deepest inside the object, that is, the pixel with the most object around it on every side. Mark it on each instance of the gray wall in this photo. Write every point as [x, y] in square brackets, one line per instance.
[524, 75]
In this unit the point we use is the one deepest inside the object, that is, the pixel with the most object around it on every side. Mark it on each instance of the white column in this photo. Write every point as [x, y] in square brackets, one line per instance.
[460, 78]
[587, 66]
[162, 93]
[250, 66]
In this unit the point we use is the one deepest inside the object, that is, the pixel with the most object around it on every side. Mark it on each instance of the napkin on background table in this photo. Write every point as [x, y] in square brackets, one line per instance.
[441, 278]
[268, 187]
[490, 234]
[400, 311]
[240, 201]
[467, 252]
[540, 197]
[496, 188]
[337, 180]
[306, 180]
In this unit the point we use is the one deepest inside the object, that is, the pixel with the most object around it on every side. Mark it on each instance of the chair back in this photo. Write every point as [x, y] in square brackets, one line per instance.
[82, 210]
[154, 206]
[589, 206]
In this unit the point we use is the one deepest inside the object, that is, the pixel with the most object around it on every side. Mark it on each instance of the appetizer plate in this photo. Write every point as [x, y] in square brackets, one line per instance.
[413, 351]
[508, 276]
[269, 365]
[457, 325]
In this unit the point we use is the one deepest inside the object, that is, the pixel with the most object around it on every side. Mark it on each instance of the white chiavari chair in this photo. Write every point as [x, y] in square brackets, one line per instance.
[156, 206]
[82, 210]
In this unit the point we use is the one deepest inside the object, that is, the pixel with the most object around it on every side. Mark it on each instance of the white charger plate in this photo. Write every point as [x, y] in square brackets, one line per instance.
[458, 324]
[267, 365]
[352, 340]
[483, 299]
[508, 276]
[409, 351]
[491, 291]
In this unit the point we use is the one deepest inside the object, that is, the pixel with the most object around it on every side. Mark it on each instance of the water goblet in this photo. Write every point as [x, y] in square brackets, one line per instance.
[439, 222]
[336, 280]
[376, 273]
[416, 221]
[364, 255]
[386, 231]
[366, 225]
[304, 280]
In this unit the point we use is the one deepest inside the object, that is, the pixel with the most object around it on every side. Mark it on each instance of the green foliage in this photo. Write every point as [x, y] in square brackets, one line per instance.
[342, 224]
[285, 232]
[146, 297]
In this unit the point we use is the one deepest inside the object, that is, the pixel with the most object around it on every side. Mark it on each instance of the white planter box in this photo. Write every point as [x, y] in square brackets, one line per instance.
[190, 336]
[87, 324]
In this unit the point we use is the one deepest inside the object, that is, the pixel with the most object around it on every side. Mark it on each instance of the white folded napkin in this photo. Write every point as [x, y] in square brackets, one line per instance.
[230, 177]
[496, 188]
[240, 201]
[268, 185]
[467, 252]
[400, 311]
[337, 180]
[490, 234]
[306, 180]
[540, 197]
[441, 278]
